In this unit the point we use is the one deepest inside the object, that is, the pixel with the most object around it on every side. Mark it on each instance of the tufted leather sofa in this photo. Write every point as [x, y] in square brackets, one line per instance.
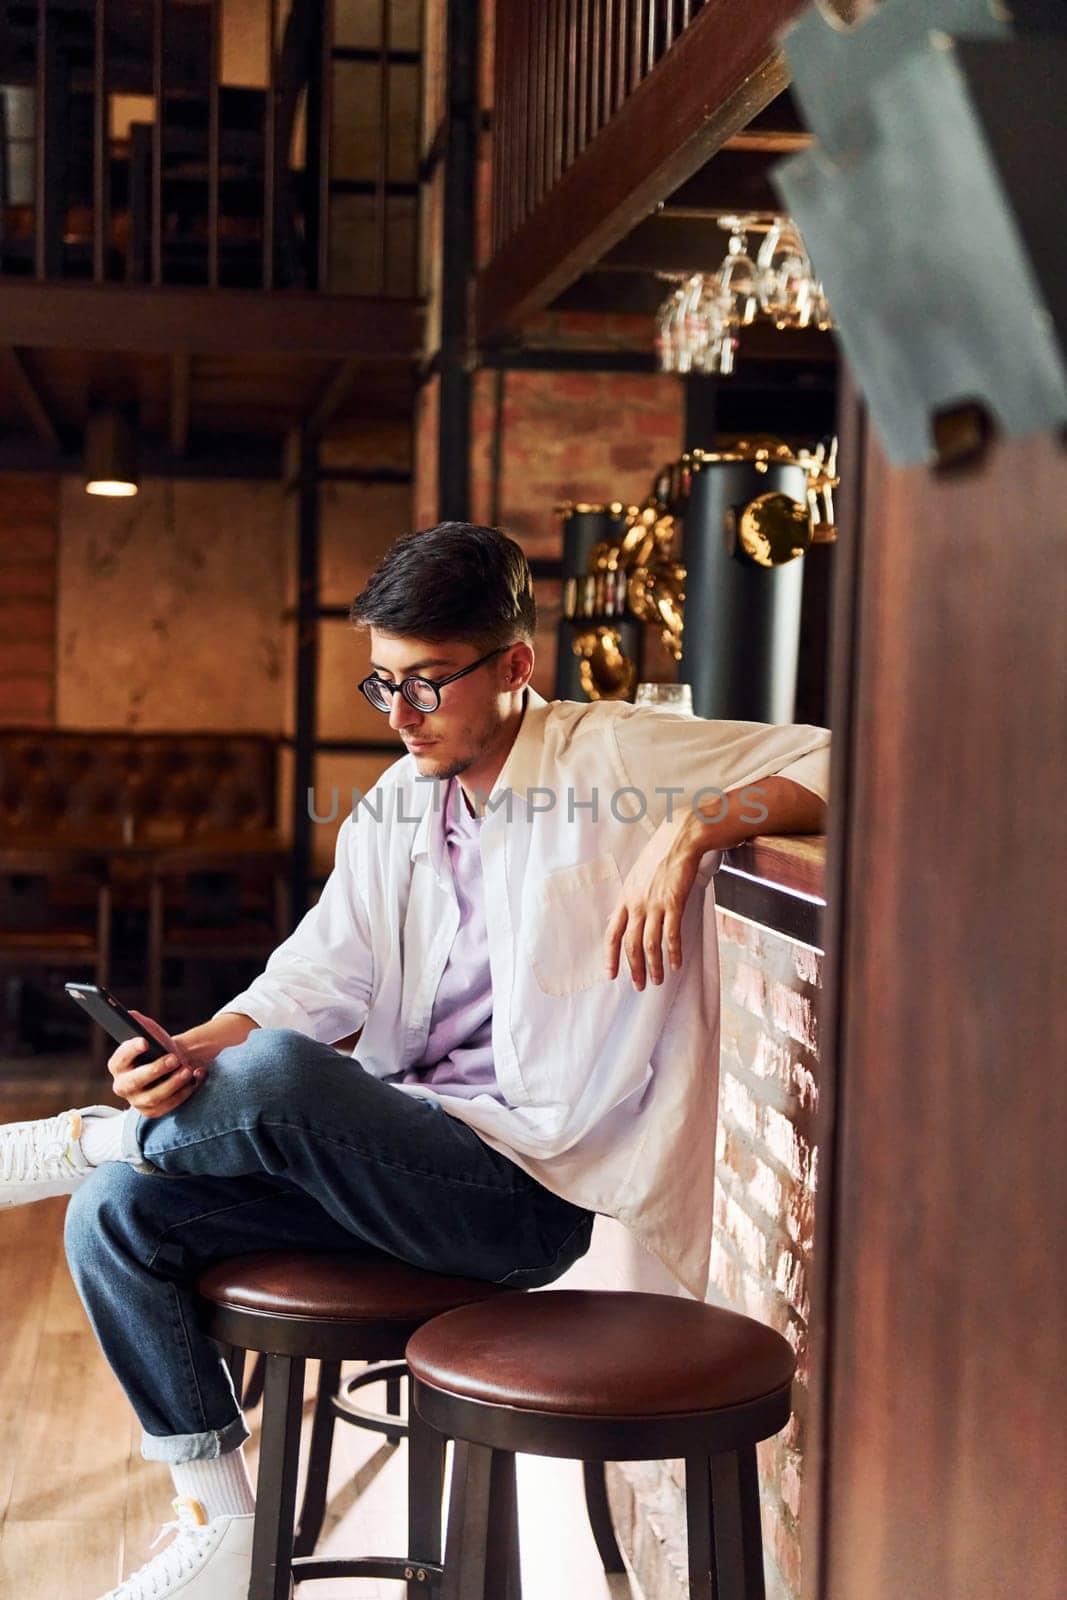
[103, 788]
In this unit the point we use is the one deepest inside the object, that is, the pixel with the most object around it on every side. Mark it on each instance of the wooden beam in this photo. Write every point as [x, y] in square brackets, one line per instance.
[778, 128]
[215, 455]
[210, 321]
[14, 371]
[770, 142]
[723, 69]
[181, 374]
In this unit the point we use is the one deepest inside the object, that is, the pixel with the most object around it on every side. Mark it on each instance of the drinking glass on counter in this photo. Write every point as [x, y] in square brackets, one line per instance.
[669, 696]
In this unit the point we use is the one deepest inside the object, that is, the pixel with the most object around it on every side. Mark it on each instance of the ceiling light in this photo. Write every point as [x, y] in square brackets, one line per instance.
[110, 454]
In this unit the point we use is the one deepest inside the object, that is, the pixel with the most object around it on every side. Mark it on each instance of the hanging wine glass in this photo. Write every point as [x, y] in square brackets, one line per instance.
[707, 322]
[666, 330]
[719, 355]
[784, 276]
[727, 350]
[821, 314]
[687, 334]
[738, 275]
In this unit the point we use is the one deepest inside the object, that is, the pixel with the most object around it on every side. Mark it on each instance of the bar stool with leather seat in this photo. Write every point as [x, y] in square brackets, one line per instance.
[294, 1307]
[594, 1375]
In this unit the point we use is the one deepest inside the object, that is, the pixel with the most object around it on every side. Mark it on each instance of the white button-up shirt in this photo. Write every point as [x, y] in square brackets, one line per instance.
[611, 1092]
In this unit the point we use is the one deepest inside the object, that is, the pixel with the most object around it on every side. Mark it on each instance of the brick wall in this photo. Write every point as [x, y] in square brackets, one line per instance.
[538, 438]
[29, 532]
[765, 1195]
[545, 437]
[567, 436]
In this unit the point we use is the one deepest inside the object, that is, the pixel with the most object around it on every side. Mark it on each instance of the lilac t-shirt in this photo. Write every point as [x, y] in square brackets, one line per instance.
[458, 1058]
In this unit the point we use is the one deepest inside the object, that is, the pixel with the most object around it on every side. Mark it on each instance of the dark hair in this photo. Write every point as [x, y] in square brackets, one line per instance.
[455, 581]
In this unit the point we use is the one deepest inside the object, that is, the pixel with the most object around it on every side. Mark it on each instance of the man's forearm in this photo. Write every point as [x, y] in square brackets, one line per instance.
[773, 805]
[229, 1027]
[791, 808]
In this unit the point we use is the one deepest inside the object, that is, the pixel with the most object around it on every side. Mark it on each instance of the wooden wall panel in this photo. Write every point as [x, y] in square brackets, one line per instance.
[943, 1449]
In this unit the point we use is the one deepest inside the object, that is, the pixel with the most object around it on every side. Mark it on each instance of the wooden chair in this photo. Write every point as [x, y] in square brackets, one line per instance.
[214, 906]
[55, 912]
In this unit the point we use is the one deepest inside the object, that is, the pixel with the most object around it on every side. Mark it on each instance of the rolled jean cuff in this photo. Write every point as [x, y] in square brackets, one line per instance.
[130, 1143]
[175, 1447]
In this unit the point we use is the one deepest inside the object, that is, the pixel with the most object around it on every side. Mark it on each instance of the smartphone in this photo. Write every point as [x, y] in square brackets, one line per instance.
[114, 1018]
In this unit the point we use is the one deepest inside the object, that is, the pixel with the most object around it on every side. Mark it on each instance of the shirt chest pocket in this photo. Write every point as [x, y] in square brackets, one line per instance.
[567, 923]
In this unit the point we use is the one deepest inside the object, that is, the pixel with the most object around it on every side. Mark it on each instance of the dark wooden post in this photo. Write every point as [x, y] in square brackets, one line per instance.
[305, 719]
[453, 483]
[937, 1463]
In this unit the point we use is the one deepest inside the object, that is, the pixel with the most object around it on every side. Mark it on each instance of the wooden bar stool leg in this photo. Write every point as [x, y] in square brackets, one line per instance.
[751, 1530]
[599, 1513]
[393, 1405]
[738, 1557]
[279, 1455]
[426, 1482]
[468, 1524]
[254, 1389]
[698, 1525]
[503, 1575]
[313, 1508]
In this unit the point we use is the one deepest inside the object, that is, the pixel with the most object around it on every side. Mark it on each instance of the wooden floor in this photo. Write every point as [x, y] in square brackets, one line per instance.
[78, 1505]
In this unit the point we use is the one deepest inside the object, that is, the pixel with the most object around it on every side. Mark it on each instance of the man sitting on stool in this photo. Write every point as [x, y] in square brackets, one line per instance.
[520, 927]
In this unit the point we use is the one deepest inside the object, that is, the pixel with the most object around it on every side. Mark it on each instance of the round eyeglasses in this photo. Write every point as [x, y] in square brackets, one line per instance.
[424, 694]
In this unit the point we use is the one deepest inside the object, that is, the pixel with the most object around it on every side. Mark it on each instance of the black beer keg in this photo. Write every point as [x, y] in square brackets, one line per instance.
[598, 648]
[598, 658]
[746, 530]
[584, 527]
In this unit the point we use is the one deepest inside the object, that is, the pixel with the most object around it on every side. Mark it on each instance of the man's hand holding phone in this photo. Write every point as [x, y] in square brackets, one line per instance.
[164, 1084]
[160, 1085]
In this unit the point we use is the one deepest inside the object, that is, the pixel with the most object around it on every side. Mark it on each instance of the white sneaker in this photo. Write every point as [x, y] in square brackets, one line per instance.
[204, 1561]
[43, 1158]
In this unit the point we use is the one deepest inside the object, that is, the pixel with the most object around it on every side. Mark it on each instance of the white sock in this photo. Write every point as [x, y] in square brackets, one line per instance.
[101, 1137]
[221, 1484]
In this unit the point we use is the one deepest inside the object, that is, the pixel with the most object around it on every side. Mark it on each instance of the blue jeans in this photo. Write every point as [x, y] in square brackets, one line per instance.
[287, 1144]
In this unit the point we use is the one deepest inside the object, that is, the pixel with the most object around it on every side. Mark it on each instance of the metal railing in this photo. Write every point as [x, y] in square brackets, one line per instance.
[205, 186]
